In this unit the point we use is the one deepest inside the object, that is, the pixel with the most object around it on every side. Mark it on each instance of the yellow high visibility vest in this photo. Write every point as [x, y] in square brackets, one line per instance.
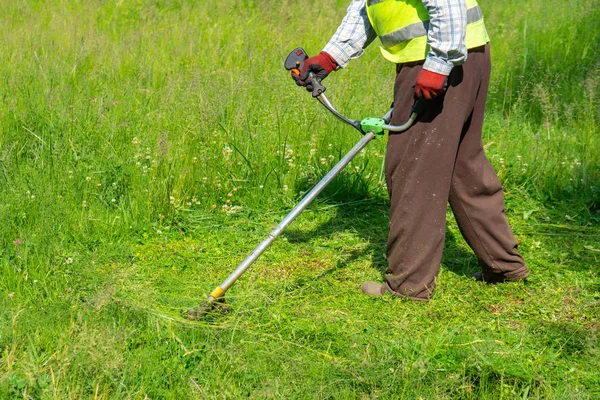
[402, 27]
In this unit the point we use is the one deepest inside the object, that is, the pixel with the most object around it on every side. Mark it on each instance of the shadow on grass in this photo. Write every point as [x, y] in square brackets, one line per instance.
[367, 216]
[358, 211]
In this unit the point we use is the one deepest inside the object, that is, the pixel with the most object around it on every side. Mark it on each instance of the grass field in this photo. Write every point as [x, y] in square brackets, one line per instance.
[146, 147]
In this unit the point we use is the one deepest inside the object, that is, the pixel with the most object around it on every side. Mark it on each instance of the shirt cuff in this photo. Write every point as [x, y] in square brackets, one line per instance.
[341, 53]
[438, 65]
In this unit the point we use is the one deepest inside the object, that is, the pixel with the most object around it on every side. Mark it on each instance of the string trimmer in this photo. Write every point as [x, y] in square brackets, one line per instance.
[370, 128]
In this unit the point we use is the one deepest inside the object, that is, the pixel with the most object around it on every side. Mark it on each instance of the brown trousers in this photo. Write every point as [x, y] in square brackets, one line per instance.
[440, 159]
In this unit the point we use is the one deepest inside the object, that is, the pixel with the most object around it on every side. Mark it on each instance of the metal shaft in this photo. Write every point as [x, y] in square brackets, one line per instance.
[310, 196]
[220, 290]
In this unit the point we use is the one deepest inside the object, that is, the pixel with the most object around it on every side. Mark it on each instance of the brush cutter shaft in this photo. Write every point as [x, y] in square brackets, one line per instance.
[371, 128]
[310, 196]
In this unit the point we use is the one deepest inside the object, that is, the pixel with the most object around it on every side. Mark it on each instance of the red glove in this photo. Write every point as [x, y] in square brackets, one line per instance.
[320, 65]
[430, 84]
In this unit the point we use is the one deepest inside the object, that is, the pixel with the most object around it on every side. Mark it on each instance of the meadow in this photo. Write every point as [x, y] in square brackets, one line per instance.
[146, 147]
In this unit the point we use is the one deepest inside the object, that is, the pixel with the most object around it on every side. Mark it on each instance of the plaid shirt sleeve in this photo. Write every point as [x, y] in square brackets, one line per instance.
[446, 37]
[353, 35]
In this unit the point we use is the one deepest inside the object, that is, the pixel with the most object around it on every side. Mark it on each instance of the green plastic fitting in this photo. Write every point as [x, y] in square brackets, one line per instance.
[374, 125]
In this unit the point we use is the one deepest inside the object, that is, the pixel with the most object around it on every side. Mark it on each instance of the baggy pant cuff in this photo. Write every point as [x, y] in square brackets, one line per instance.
[388, 289]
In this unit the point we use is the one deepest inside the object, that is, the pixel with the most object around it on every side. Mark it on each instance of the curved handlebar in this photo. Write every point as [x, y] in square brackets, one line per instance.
[415, 110]
[295, 61]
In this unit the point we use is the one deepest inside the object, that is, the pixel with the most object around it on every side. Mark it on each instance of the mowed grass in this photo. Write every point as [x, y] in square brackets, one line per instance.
[147, 147]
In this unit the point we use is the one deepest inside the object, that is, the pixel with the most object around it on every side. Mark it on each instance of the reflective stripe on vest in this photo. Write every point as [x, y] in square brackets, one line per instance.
[402, 27]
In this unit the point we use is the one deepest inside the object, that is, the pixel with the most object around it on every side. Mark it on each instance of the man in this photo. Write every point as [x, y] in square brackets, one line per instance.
[435, 44]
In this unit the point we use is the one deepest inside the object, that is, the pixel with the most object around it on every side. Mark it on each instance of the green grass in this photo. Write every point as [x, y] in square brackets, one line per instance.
[147, 147]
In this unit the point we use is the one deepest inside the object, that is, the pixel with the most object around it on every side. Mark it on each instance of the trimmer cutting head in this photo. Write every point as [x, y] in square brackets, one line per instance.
[206, 307]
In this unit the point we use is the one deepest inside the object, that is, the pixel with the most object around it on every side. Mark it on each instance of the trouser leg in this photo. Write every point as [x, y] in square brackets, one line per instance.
[420, 168]
[476, 195]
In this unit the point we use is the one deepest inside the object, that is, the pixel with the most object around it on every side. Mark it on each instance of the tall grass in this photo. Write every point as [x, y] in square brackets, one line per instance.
[141, 109]
[544, 97]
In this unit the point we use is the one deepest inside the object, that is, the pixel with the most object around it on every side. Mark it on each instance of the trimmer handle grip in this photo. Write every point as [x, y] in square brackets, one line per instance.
[317, 86]
[295, 61]
[418, 106]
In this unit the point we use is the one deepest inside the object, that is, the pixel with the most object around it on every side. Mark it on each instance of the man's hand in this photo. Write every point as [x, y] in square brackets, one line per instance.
[430, 84]
[320, 65]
